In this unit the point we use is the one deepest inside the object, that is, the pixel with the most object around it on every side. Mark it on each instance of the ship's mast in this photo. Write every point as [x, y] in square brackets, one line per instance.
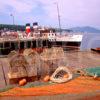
[59, 19]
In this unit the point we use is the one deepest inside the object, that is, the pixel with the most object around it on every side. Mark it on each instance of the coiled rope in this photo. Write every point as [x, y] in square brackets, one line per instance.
[61, 79]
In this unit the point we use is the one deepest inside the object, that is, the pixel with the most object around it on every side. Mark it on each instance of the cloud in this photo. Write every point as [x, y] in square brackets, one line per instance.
[72, 12]
[18, 6]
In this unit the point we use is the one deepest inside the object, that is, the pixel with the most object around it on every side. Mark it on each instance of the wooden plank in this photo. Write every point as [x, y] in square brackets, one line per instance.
[2, 76]
[5, 65]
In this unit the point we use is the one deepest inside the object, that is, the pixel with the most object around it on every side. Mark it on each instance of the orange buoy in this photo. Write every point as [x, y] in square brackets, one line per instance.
[22, 82]
[46, 78]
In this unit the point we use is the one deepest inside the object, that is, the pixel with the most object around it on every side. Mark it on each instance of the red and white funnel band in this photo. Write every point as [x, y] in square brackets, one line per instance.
[34, 27]
[28, 30]
[27, 27]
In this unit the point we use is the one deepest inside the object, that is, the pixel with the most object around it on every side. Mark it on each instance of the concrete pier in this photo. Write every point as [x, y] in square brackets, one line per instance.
[7, 46]
[18, 44]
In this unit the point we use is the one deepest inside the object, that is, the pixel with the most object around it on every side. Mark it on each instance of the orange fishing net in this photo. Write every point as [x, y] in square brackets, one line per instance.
[75, 86]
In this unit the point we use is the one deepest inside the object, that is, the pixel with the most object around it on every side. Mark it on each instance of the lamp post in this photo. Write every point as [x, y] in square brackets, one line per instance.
[12, 18]
[59, 20]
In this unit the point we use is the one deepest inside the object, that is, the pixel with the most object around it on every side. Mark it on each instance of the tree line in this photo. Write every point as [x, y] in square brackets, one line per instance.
[7, 27]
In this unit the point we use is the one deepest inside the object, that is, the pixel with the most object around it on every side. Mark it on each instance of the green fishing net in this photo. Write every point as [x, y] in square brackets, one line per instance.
[93, 71]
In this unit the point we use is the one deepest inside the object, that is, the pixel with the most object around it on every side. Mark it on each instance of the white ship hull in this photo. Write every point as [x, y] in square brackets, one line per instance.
[70, 38]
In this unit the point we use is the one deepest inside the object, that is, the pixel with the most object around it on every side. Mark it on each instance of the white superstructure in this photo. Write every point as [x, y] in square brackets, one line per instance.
[51, 36]
[70, 38]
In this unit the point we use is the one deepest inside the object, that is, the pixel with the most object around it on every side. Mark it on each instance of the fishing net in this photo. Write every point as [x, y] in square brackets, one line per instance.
[77, 86]
[37, 84]
[93, 71]
[52, 58]
[27, 52]
[33, 59]
[7, 88]
[18, 65]
[12, 53]
[32, 64]
[53, 53]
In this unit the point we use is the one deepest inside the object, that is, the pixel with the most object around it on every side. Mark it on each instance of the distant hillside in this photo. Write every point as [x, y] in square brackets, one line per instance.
[63, 30]
[86, 29]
